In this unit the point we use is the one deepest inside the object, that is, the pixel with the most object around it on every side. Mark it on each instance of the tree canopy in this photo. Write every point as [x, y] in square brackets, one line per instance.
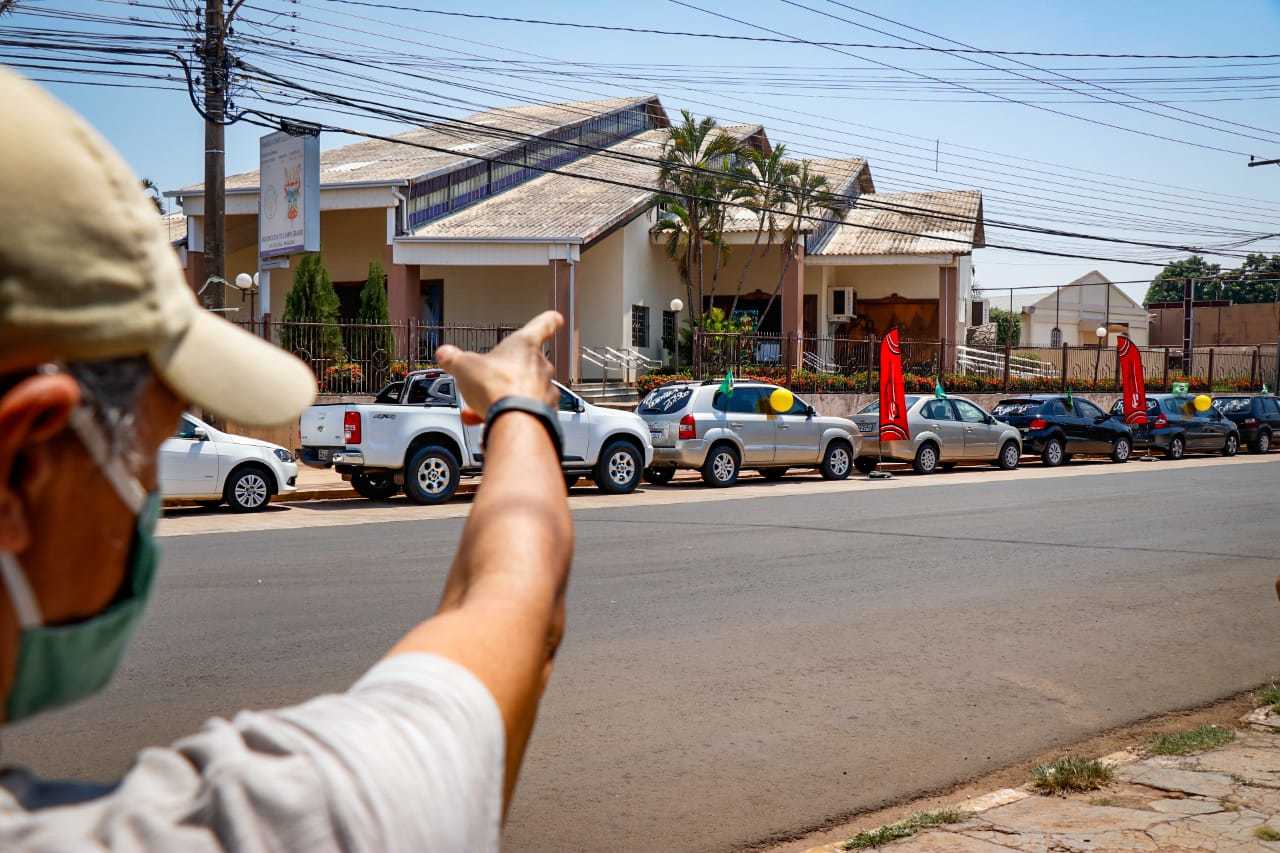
[1256, 280]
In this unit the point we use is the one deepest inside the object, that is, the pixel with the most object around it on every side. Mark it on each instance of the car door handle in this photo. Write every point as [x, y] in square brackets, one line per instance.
[783, 426]
[736, 424]
[968, 429]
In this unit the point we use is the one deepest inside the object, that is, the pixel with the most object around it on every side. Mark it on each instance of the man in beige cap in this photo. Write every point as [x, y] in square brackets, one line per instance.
[102, 346]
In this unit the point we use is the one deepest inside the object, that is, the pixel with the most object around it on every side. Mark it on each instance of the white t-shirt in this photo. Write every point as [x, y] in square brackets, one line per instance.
[411, 758]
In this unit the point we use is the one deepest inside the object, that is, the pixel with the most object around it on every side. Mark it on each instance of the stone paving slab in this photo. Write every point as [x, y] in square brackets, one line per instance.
[1216, 800]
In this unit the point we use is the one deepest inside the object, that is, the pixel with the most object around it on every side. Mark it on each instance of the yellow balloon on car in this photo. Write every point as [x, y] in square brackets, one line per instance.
[781, 400]
[1203, 402]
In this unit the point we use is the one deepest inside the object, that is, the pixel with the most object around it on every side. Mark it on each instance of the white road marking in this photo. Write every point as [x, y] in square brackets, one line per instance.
[184, 522]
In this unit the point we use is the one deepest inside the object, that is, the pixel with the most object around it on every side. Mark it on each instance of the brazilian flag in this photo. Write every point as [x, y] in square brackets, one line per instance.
[726, 387]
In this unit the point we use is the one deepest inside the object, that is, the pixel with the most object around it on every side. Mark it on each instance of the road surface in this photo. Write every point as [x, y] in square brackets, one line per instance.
[746, 662]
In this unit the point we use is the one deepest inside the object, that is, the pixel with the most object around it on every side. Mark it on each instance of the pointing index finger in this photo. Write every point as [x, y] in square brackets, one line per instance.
[542, 327]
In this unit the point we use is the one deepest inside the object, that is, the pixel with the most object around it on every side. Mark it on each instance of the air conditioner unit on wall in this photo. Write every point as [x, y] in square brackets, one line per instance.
[843, 304]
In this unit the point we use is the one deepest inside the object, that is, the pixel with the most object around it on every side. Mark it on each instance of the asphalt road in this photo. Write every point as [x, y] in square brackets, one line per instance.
[740, 668]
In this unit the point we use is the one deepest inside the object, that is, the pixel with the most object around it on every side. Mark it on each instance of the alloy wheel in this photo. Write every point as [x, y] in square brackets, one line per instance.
[622, 468]
[1264, 442]
[433, 475]
[928, 458]
[1055, 453]
[1011, 456]
[839, 461]
[251, 491]
[722, 466]
[1122, 450]
[1233, 444]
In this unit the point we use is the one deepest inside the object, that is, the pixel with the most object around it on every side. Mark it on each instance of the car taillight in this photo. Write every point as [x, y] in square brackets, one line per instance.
[1250, 422]
[1038, 423]
[688, 427]
[351, 428]
[1160, 422]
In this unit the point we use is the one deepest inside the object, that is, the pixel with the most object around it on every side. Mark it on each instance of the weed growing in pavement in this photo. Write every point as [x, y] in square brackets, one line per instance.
[904, 828]
[1071, 774]
[1196, 740]
[1266, 833]
[1270, 696]
[1103, 801]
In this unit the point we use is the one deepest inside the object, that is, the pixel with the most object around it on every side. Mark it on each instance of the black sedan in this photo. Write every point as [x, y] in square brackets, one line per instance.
[1257, 417]
[1175, 427]
[1058, 426]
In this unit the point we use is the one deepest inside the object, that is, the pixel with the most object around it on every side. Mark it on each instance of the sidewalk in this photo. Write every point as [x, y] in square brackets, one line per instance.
[1226, 799]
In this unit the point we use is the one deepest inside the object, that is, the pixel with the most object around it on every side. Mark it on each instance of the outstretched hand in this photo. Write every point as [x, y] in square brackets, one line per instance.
[515, 367]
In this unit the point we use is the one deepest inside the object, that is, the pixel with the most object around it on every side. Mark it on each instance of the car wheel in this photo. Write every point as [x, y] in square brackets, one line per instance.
[659, 476]
[926, 461]
[1010, 455]
[1232, 445]
[1177, 448]
[1121, 450]
[248, 490]
[375, 487]
[721, 467]
[571, 480]
[1052, 456]
[1262, 444]
[773, 473]
[865, 464]
[618, 471]
[431, 477]
[837, 462]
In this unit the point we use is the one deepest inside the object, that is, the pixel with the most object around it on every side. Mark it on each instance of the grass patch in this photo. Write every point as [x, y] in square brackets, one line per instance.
[1270, 696]
[1071, 774]
[1103, 801]
[1266, 833]
[904, 828]
[1195, 740]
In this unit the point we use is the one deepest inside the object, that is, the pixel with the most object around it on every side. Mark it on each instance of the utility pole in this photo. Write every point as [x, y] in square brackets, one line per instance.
[1188, 302]
[215, 92]
[1255, 162]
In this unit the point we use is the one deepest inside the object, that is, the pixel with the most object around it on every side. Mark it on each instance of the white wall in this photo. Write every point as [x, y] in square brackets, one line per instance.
[649, 278]
[492, 295]
[910, 281]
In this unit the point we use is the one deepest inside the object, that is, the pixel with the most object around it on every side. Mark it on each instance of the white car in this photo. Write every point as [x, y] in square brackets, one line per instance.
[211, 467]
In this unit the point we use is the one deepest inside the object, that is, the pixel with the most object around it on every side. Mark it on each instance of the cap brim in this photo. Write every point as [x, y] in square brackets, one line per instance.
[235, 375]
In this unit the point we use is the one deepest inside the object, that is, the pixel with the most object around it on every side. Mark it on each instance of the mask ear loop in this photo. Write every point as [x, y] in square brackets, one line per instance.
[23, 600]
[126, 485]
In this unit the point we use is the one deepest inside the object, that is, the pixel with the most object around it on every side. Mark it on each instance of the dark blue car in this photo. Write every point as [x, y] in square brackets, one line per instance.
[1058, 427]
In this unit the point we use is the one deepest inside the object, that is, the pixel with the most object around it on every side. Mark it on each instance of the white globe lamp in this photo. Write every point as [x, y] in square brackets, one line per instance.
[677, 304]
[244, 281]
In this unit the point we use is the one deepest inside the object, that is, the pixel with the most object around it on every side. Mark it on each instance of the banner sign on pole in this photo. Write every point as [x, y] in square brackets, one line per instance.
[1132, 382]
[893, 397]
[289, 194]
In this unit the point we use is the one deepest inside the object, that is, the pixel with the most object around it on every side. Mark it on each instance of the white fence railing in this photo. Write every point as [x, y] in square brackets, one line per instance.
[988, 363]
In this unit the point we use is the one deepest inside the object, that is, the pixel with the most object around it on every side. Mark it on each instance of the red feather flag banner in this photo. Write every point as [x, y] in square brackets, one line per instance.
[893, 391]
[1132, 381]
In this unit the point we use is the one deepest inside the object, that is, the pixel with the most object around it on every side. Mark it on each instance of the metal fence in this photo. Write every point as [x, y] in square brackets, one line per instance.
[358, 358]
[848, 365]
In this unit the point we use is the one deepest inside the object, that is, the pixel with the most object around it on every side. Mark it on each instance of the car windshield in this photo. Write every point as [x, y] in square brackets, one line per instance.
[1233, 405]
[664, 401]
[874, 408]
[1014, 408]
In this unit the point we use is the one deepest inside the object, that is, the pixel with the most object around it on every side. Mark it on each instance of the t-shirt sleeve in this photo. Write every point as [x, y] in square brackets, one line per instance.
[411, 758]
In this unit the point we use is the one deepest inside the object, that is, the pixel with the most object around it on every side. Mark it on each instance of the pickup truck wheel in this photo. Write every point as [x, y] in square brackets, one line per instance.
[431, 476]
[618, 471]
[375, 487]
[659, 476]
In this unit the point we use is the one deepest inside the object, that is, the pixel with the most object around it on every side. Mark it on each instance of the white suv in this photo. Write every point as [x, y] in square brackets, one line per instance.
[210, 467]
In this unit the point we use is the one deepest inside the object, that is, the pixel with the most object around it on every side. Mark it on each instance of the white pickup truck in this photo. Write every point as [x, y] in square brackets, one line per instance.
[412, 437]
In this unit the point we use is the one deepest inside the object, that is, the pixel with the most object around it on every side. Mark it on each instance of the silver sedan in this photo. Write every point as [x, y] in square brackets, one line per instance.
[944, 432]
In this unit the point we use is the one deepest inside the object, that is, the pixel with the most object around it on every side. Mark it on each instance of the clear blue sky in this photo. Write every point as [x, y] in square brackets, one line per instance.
[161, 136]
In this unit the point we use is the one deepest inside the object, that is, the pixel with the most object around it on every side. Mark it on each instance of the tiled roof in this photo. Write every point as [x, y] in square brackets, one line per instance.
[841, 175]
[559, 206]
[175, 227]
[928, 223]
[375, 160]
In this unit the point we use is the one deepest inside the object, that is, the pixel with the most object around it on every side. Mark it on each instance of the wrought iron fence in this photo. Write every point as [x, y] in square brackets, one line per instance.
[359, 358]
[852, 366]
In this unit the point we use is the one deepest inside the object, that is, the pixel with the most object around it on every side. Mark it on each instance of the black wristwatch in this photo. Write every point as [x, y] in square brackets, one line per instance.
[548, 415]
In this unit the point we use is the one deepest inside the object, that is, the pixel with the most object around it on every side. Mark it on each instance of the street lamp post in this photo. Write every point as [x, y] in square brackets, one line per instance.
[677, 305]
[1101, 332]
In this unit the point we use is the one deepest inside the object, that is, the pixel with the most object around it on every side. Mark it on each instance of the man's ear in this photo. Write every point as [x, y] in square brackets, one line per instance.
[32, 413]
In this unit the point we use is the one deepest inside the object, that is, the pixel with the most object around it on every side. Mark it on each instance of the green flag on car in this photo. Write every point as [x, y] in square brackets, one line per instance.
[726, 387]
[1070, 401]
[938, 392]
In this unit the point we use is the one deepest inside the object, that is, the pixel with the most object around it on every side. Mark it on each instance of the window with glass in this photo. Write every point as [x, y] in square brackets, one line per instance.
[1085, 409]
[937, 410]
[873, 408]
[568, 402]
[743, 401]
[1056, 408]
[186, 428]
[969, 413]
[639, 326]
[1234, 405]
[1016, 408]
[669, 330]
[664, 401]
[1270, 406]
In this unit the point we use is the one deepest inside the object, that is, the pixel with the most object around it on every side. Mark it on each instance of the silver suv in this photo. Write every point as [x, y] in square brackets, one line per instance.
[696, 425]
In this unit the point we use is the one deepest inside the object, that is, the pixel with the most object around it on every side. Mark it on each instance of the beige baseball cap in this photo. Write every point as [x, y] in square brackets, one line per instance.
[87, 273]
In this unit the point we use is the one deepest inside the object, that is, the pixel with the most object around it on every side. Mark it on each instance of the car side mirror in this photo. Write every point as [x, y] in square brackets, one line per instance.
[580, 407]
[810, 411]
[200, 434]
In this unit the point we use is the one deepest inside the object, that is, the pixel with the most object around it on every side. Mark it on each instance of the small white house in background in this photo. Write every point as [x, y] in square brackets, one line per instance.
[1076, 310]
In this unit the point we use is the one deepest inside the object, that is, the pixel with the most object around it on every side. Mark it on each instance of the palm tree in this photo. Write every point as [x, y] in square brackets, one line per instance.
[690, 175]
[763, 188]
[153, 192]
[807, 196]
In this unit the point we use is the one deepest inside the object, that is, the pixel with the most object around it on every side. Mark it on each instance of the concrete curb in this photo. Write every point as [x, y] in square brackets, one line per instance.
[1000, 797]
[304, 495]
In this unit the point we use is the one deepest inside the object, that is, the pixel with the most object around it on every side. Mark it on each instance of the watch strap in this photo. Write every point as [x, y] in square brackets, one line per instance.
[547, 415]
